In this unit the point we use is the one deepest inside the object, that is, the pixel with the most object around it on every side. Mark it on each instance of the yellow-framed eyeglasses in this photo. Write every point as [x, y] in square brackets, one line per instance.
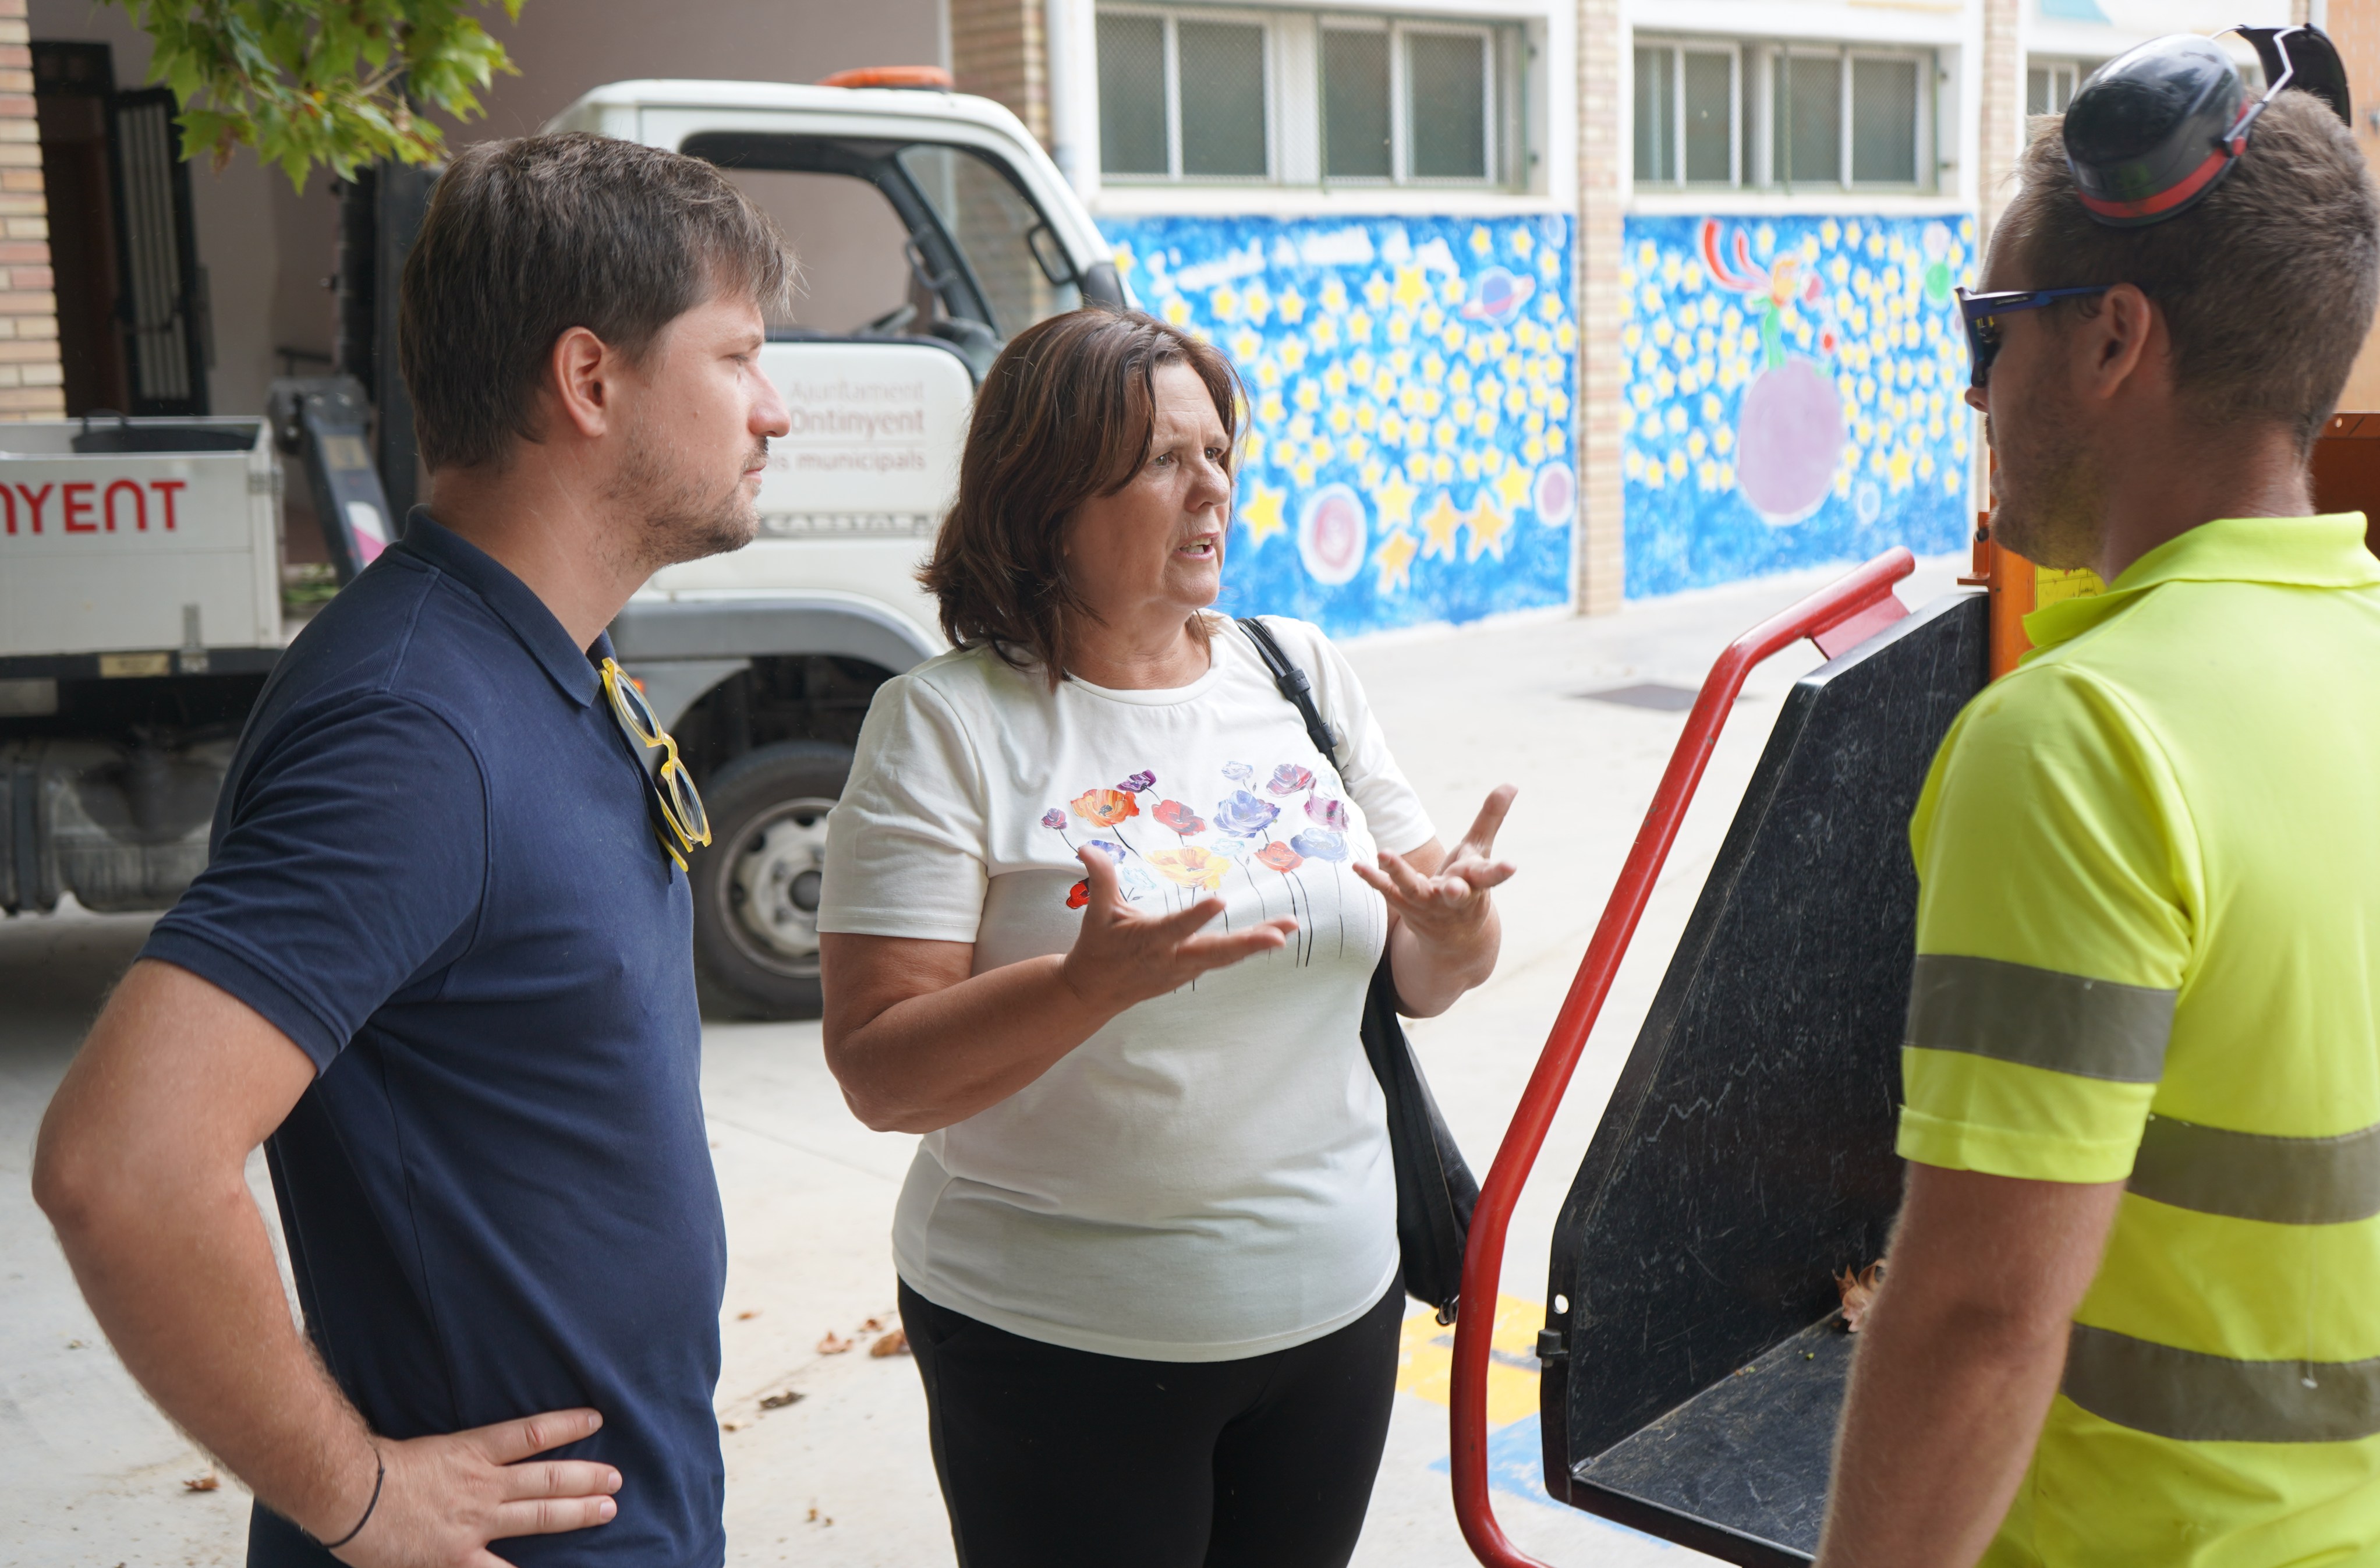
[679, 807]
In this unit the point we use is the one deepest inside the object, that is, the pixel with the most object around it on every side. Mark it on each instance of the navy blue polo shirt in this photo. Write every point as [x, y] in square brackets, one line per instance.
[434, 870]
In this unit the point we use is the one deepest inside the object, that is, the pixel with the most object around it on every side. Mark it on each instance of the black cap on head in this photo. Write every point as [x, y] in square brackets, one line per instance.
[2155, 128]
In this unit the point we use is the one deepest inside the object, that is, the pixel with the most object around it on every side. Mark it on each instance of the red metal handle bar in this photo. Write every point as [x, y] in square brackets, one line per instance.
[1865, 595]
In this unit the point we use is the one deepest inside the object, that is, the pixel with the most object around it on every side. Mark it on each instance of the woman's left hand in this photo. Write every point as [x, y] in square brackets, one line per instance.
[1446, 906]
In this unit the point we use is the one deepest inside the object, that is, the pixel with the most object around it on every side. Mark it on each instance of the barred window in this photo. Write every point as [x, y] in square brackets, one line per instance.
[1782, 116]
[1302, 98]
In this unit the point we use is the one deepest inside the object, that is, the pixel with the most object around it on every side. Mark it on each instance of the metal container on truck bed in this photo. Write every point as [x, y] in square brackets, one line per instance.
[136, 542]
[139, 610]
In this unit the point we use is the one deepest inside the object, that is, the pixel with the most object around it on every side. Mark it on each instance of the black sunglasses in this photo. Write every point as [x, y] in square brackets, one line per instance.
[1982, 314]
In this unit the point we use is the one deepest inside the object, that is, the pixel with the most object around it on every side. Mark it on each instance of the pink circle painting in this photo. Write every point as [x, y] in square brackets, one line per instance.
[1557, 493]
[1789, 438]
[1332, 534]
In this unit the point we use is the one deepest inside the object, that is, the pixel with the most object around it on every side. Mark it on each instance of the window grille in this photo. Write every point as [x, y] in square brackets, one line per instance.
[1301, 97]
[1784, 116]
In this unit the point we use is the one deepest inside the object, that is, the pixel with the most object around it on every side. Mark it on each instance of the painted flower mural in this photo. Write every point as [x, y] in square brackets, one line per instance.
[1793, 392]
[1410, 433]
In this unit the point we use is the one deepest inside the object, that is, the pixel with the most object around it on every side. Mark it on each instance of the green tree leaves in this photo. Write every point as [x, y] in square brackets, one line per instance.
[332, 82]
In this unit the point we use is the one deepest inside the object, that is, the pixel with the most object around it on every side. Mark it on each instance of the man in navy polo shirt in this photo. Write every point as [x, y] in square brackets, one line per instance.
[440, 963]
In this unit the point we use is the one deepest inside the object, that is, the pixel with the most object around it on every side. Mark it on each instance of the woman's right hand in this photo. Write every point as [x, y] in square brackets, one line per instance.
[1122, 956]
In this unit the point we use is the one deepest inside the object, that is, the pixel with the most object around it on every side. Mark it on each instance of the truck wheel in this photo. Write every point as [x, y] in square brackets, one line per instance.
[756, 888]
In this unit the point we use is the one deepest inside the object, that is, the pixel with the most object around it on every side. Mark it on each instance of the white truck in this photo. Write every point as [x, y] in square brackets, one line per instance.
[929, 227]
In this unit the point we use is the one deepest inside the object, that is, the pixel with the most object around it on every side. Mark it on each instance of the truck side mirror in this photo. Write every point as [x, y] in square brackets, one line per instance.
[1101, 286]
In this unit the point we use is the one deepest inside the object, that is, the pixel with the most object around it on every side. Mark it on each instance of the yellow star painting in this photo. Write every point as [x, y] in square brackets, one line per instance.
[1402, 385]
[1262, 514]
[1487, 523]
[1512, 486]
[1394, 558]
[1439, 525]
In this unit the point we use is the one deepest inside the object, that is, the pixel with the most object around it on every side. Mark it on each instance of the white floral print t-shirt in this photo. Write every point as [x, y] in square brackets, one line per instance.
[1207, 1177]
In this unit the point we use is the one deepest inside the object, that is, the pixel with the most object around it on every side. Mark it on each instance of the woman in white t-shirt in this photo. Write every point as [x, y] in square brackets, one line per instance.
[1098, 921]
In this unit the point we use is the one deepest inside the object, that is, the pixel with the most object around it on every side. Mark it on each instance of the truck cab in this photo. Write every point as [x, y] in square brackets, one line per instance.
[137, 623]
[927, 228]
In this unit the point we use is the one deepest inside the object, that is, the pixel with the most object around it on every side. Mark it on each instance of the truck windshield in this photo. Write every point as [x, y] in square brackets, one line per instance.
[903, 239]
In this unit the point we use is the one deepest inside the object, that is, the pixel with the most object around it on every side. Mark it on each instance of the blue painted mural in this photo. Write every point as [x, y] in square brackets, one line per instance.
[1792, 395]
[1410, 436]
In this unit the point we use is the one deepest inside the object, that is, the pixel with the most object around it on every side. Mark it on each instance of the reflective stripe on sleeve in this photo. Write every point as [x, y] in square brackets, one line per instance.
[2284, 1181]
[2190, 1397]
[2039, 1017]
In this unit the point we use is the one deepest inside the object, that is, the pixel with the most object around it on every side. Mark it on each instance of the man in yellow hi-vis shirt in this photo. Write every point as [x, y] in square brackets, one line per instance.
[2133, 1313]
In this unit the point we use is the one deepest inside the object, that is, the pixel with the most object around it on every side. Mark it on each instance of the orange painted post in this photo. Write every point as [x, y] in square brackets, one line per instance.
[2345, 468]
[2018, 588]
[2013, 593]
[2010, 579]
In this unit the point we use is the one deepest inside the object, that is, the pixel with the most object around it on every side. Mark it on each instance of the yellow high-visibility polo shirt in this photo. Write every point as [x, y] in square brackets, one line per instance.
[2148, 940]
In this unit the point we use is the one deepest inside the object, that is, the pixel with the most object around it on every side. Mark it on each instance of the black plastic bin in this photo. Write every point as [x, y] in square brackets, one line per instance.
[1695, 1370]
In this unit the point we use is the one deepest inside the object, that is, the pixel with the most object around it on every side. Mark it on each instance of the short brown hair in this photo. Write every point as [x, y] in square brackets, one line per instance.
[2267, 286]
[527, 238]
[1066, 412]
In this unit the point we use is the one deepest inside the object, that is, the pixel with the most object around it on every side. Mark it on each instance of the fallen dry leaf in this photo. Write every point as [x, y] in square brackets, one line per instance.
[731, 1426]
[779, 1401]
[206, 1483]
[894, 1342]
[746, 1316]
[833, 1344]
[872, 1326]
[1859, 1293]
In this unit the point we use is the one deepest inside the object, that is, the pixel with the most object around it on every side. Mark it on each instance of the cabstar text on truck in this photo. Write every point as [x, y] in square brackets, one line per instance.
[142, 562]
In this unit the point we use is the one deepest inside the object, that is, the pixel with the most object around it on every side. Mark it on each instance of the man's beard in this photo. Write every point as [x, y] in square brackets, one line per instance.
[685, 519]
[2053, 518]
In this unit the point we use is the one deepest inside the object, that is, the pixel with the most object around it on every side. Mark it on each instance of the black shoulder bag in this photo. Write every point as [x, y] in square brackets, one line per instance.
[1435, 1189]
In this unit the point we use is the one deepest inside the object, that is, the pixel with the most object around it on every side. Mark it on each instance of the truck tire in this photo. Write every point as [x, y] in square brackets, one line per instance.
[756, 888]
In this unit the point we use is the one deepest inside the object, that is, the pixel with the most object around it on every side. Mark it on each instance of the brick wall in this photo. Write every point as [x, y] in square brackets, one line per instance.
[2000, 139]
[32, 385]
[1595, 262]
[997, 51]
[2001, 126]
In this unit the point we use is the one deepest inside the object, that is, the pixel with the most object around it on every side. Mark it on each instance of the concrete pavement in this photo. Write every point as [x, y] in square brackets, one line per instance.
[840, 1475]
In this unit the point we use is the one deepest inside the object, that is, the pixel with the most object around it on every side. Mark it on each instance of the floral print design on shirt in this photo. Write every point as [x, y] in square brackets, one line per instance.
[1238, 834]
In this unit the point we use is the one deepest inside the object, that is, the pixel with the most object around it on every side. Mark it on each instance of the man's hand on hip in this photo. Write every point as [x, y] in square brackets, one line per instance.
[140, 1168]
[445, 1498]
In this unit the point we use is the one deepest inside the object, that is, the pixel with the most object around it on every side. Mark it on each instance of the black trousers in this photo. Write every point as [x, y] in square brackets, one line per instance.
[1051, 1457]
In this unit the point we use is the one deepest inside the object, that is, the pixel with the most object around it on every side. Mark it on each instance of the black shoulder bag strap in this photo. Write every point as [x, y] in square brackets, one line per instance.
[1435, 1191]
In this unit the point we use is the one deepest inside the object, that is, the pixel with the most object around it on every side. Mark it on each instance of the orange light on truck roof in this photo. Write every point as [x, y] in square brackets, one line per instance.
[932, 79]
